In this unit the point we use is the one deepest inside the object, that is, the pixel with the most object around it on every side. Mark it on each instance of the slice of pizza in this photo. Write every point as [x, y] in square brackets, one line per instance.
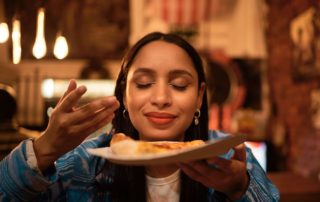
[123, 145]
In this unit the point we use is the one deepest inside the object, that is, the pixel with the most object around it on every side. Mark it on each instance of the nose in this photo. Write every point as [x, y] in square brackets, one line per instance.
[161, 95]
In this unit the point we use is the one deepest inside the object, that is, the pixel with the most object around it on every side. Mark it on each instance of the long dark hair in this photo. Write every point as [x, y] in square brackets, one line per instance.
[129, 182]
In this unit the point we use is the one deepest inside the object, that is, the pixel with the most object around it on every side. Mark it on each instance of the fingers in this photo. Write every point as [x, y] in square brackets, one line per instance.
[200, 168]
[201, 172]
[91, 117]
[216, 167]
[106, 105]
[72, 85]
[191, 172]
[220, 163]
[90, 126]
[226, 175]
[102, 123]
[72, 98]
[240, 153]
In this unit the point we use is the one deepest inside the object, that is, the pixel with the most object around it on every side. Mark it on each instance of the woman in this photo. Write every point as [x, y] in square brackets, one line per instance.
[160, 95]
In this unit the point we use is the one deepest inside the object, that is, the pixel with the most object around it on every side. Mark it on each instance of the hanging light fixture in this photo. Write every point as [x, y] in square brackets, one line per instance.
[4, 32]
[16, 41]
[39, 49]
[61, 49]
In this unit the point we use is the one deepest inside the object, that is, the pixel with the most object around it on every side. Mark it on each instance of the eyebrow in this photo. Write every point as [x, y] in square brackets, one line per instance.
[175, 72]
[144, 70]
[179, 72]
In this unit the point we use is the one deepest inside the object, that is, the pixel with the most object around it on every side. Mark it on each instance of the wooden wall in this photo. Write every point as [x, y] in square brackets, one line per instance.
[291, 98]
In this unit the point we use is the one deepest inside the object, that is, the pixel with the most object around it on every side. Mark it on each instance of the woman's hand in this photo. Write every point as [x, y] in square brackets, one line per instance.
[228, 176]
[70, 125]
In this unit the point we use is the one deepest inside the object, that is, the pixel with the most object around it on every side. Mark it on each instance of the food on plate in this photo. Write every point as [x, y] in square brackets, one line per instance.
[124, 145]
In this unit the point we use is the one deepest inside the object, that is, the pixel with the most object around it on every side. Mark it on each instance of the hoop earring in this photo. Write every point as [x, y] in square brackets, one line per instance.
[197, 116]
[124, 113]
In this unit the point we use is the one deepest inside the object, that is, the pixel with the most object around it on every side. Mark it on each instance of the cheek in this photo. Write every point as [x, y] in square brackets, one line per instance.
[188, 102]
[134, 99]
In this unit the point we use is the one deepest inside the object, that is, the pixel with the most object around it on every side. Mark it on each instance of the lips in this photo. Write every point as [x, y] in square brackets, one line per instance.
[160, 118]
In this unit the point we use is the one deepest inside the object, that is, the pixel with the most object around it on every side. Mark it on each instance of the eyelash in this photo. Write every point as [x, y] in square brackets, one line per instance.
[143, 86]
[147, 85]
[179, 88]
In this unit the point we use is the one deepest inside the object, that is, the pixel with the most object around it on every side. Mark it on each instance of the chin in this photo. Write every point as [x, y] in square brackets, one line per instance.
[161, 136]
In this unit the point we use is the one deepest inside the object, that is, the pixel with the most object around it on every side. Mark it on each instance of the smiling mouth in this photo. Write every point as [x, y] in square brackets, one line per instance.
[160, 118]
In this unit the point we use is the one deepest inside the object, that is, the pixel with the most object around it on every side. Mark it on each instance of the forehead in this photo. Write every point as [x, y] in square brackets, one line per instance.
[161, 54]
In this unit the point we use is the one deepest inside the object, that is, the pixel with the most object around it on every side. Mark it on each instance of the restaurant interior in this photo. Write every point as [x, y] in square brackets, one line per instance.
[262, 60]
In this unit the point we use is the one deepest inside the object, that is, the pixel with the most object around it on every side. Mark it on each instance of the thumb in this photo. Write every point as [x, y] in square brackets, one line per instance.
[240, 152]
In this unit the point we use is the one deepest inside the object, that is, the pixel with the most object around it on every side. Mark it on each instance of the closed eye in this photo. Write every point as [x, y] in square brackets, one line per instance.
[179, 87]
[143, 85]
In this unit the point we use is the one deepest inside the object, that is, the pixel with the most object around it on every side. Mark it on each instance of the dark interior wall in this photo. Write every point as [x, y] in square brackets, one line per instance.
[93, 29]
[290, 97]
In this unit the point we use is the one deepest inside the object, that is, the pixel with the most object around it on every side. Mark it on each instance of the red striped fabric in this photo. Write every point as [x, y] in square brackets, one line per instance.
[164, 8]
[183, 12]
[195, 11]
[180, 6]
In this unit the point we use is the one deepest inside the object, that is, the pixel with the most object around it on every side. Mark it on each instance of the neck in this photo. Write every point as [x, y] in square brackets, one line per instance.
[161, 171]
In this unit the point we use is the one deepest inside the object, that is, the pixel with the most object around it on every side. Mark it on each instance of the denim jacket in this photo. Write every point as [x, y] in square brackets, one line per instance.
[76, 176]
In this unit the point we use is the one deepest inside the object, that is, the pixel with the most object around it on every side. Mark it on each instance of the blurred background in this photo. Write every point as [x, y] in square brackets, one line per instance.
[262, 61]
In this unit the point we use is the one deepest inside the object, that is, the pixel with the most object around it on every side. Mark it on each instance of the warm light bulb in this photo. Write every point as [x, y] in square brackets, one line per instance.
[39, 48]
[4, 32]
[61, 49]
[47, 88]
[16, 42]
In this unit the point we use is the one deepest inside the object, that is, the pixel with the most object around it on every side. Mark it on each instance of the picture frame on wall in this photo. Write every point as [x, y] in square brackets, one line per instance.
[305, 35]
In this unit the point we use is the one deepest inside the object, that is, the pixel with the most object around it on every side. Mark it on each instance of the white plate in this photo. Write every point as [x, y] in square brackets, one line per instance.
[210, 149]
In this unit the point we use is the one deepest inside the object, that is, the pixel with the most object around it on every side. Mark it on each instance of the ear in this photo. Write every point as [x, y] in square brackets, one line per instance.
[200, 94]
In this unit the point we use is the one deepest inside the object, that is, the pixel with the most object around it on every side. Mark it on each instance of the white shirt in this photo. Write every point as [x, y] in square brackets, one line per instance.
[165, 189]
